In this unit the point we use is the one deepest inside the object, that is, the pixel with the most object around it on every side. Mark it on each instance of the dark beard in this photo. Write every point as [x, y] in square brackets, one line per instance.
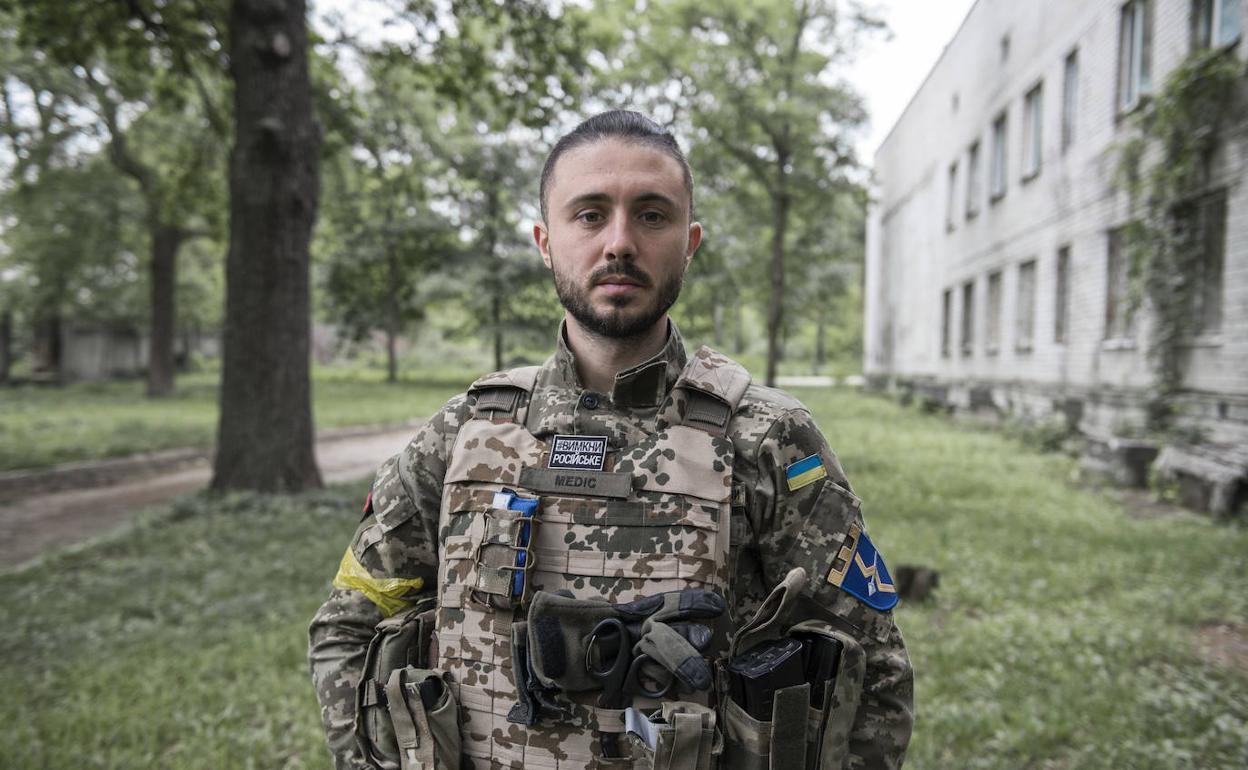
[617, 325]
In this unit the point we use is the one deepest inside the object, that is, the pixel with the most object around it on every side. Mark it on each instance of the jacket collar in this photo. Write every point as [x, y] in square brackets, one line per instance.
[644, 385]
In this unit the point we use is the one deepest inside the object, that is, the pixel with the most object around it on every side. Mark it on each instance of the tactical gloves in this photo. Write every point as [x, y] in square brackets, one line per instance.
[560, 630]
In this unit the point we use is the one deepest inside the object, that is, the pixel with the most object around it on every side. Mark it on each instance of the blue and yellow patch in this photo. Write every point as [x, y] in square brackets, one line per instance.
[804, 472]
[859, 569]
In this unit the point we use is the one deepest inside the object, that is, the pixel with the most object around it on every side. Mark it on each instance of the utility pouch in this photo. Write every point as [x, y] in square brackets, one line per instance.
[400, 641]
[425, 717]
[503, 557]
[677, 736]
[830, 725]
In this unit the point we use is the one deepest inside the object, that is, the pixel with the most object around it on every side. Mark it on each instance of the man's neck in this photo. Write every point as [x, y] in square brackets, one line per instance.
[599, 359]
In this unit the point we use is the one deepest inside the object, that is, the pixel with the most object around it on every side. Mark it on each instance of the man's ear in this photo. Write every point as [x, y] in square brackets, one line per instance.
[542, 238]
[695, 240]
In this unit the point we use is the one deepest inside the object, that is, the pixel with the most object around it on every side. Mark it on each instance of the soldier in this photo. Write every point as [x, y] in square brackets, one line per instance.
[548, 498]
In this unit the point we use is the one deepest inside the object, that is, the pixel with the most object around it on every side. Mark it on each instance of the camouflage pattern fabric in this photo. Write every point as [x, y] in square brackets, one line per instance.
[771, 529]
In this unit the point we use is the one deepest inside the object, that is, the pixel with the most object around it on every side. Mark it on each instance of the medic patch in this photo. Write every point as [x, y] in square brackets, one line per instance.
[803, 472]
[859, 569]
[581, 453]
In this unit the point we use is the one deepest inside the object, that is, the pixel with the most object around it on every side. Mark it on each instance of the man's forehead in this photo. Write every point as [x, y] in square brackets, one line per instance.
[616, 167]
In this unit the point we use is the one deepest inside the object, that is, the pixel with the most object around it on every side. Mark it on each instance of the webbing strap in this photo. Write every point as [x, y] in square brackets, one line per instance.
[788, 727]
[409, 728]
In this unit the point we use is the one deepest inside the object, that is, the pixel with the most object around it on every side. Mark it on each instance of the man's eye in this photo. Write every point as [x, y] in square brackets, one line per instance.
[652, 218]
[590, 217]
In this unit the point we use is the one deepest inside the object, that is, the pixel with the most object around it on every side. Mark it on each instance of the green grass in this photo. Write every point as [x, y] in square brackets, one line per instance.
[1060, 636]
[42, 425]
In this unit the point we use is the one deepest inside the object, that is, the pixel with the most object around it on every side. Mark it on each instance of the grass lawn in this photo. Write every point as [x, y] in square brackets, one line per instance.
[42, 425]
[1062, 634]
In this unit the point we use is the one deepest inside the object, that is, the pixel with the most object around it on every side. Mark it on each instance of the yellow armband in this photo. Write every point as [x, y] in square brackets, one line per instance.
[386, 593]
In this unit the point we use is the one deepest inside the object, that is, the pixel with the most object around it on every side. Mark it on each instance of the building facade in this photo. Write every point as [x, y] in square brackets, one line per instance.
[996, 273]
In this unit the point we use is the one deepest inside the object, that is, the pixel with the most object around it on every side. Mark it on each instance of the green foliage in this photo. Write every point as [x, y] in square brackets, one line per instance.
[755, 88]
[1181, 125]
[1060, 635]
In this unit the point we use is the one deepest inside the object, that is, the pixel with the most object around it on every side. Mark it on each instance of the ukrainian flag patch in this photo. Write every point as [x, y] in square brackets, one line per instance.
[804, 472]
[859, 570]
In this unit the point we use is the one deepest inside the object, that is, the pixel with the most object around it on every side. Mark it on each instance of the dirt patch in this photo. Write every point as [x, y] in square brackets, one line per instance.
[1224, 645]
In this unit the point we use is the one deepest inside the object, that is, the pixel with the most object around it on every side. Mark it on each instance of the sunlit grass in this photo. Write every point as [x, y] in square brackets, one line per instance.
[1060, 635]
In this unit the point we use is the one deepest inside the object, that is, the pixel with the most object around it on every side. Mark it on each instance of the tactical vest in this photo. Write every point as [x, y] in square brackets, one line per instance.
[656, 518]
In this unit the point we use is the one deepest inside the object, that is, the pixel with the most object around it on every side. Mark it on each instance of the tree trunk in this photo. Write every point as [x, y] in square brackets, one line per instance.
[738, 330]
[775, 308]
[821, 331]
[163, 273]
[265, 437]
[496, 313]
[393, 321]
[717, 323]
[6, 344]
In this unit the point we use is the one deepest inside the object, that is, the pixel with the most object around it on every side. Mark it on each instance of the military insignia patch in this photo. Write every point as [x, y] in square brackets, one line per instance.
[583, 453]
[859, 569]
[804, 472]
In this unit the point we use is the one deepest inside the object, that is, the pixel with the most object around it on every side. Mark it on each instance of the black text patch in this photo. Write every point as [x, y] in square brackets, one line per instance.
[582, 453]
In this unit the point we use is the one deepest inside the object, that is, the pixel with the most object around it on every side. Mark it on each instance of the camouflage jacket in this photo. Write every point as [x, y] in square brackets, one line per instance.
[770, 430]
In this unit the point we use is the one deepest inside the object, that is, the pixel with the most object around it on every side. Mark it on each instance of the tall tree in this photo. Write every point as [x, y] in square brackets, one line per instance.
[758, 81]
[147, 63]
[265, 437]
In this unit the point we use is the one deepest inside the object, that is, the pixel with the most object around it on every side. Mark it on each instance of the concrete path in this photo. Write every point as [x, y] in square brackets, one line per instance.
[31, 525]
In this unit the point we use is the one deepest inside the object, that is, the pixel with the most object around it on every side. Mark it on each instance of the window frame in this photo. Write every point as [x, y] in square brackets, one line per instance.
[966, 343]
[1070, 98]
[1207, 27]
[1025, 308]
[1135, 54]
[998, 164]
[951, 199]
[1061, 295]
[1033, 131]
[973, 177]
[992, 313]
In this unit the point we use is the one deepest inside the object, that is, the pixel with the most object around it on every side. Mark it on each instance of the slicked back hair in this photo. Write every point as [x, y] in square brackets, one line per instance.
[624, 125]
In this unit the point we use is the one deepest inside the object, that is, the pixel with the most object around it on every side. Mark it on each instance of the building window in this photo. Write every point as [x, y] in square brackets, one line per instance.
[997, 172]
[1005, 48]
[1025, 321]
[968, 318]
[946, 323]
[1119, 320]
[1215, 23]
[1201, 230]
[1061, 295]
[951, 201]
[1135, 53]
[992, 341]
[972, 181]
[1033, 119]
[1070, 98]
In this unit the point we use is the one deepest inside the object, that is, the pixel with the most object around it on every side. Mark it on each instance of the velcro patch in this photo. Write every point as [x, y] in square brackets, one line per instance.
[859, 570]
[804, 472]
[581, 453]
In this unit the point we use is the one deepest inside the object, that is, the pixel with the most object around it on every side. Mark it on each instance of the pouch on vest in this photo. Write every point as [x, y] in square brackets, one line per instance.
[676, 736]
[425, 717]
[806, 730]
[400, 641]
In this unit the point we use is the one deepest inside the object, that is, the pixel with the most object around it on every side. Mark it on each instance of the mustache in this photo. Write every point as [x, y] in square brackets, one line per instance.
[620, 268]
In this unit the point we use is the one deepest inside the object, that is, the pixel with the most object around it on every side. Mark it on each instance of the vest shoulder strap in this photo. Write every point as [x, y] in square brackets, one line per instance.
[499, 394]
[714, 385]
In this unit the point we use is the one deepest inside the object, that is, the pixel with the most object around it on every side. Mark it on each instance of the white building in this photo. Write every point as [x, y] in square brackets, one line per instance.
[995, 273]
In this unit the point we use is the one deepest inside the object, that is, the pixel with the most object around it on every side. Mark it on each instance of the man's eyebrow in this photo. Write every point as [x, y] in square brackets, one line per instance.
[601, 197]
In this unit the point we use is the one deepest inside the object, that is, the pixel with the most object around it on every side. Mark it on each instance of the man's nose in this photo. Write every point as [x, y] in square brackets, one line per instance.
[620, 242]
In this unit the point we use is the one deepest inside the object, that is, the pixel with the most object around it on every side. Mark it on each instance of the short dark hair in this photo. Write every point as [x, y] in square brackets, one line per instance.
[617, 124]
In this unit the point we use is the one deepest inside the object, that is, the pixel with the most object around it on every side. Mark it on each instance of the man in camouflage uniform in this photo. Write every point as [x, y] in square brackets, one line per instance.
[618, 234]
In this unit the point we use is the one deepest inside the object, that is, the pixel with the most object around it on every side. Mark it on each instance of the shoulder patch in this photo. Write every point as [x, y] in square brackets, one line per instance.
[803, 472]
[858, 569]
